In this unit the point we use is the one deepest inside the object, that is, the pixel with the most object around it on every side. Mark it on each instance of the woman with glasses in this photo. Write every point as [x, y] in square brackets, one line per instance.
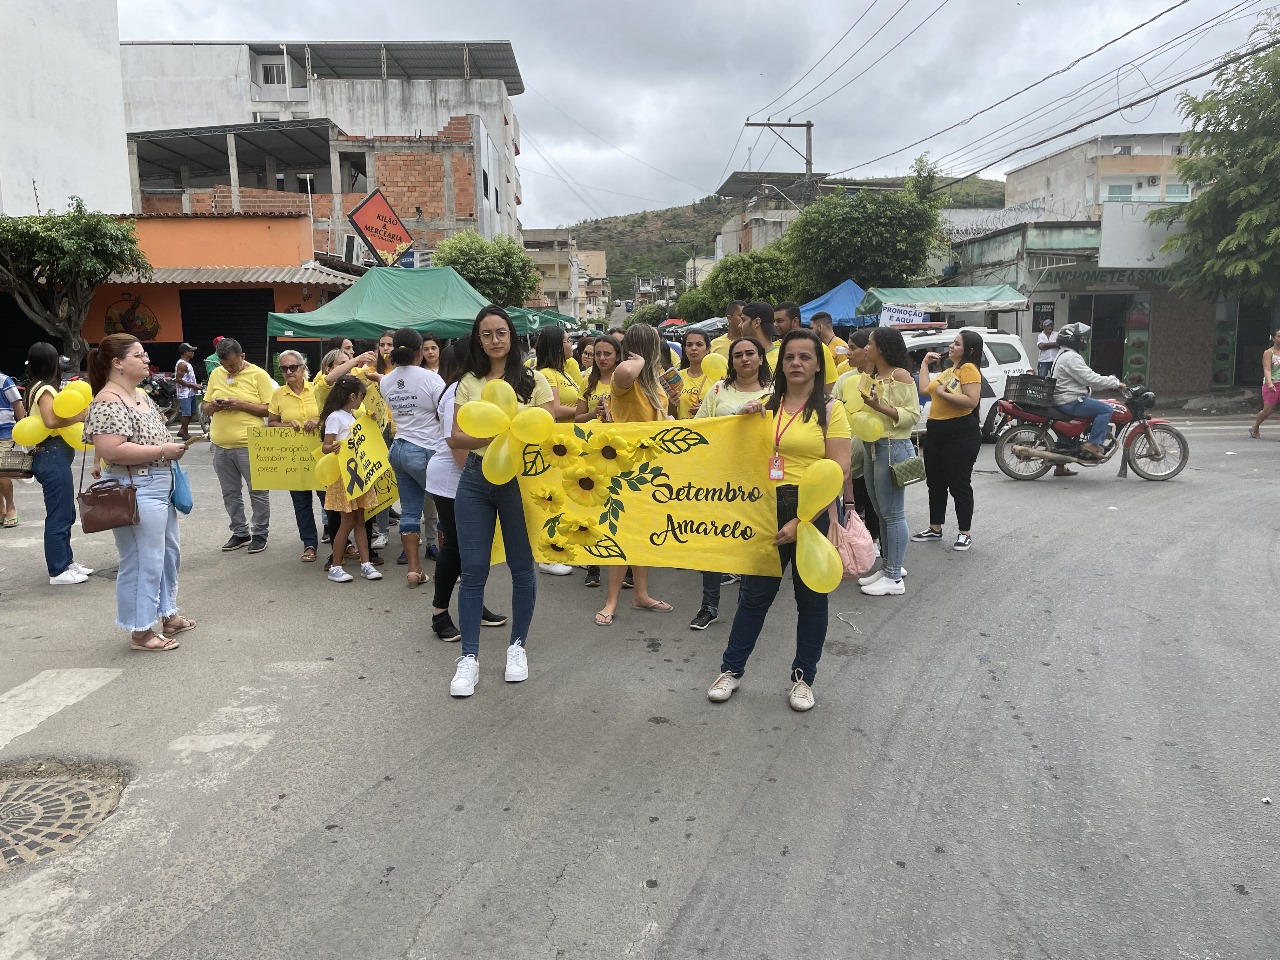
[294, 404]
[480, 505]
[131, 439]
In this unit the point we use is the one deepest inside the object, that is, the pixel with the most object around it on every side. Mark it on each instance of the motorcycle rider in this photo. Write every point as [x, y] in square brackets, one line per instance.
[1074, 378]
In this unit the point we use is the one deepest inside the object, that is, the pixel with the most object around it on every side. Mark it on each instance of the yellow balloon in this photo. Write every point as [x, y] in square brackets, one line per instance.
[74, 436]
[29, 431]
[816, 559]
[81, 387]
[715, 366]
[327, 469]
[821, 483]
[69, 403]
[499, 463]
[867, 426]
[500, 394]
[533, 425]
[853, 399]
[482, 419]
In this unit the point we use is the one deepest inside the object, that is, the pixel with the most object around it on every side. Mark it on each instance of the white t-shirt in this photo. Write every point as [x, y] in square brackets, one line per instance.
[339, 424]
[1048, 356]
[413, 396]
[443, 472]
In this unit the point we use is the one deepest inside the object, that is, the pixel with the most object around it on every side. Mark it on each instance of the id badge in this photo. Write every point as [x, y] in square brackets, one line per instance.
[777, 467]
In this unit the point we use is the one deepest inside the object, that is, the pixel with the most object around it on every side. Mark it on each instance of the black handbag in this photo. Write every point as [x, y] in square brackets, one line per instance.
[107, 504]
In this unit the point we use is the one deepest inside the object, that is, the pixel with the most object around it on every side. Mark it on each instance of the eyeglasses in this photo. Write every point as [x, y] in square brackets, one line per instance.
[290, 367]
[488, 335]
[138, 356]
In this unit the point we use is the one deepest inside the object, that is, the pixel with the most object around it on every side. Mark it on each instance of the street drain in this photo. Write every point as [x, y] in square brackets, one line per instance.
[49, 807]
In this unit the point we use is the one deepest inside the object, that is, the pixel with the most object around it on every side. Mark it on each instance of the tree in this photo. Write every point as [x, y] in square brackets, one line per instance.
[763, 274]
[695, 306]
[53, 263]
[876, 239]
[1232, 241]
[499, 269]
[651, 313]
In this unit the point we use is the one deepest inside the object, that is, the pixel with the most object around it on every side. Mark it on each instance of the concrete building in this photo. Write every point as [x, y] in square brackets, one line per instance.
[64, 120]
[696, 269]
[593, 277]
[555, 256]
[1074, 183]
[431, 124]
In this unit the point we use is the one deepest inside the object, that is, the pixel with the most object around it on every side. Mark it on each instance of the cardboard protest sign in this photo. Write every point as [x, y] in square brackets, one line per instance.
[280, 459]
[685, 493]
[363, 464]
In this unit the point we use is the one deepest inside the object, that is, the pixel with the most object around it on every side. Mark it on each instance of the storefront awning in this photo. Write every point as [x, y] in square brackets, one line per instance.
[1000, 297]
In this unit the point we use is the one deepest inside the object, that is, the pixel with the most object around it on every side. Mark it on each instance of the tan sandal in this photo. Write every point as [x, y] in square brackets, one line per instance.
[309, 555]
[166, 644]
[416, 579]
[178, 624]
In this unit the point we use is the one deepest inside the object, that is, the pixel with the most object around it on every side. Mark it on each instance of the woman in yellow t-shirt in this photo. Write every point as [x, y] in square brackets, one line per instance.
[552, 351]
[594, 402]
[953, 436]
[803, 429]
[694, 384]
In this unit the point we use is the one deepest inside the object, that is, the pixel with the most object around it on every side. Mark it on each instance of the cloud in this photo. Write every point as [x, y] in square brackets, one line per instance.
[671, 83]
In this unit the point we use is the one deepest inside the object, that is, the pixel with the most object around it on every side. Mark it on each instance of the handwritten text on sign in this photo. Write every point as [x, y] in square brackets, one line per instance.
[685, 493]
[280, 459]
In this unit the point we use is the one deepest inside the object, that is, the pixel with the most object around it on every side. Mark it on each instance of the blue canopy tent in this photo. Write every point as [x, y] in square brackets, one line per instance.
[841, 302]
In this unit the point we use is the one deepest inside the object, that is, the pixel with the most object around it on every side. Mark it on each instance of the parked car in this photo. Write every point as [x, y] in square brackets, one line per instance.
[630, 305]
[1003, 356]
[617, 303]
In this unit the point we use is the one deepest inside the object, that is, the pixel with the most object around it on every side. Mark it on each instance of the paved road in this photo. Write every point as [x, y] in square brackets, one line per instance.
[1056, 745]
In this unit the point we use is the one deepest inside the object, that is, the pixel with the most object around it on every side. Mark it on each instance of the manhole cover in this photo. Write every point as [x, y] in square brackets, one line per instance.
[42, 817]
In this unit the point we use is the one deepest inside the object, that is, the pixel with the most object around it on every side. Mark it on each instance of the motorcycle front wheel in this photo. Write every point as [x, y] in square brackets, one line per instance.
[1160, 456]
[1023, 435]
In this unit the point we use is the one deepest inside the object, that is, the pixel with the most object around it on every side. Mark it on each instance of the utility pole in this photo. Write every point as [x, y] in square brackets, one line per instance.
[809, 193]
[693, 255]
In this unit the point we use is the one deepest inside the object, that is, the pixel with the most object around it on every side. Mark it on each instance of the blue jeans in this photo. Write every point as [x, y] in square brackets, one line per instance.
[479, 506]
[409, 461]
[51, 465]
[304, 513]
[187, 405]
[150, 554]
[756, 596]
[1089, 407]
[711, 592]
[889, 499]
[1043, 368]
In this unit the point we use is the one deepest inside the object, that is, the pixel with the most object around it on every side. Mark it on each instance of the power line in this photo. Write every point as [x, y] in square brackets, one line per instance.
[582, 198]
[616, 147]
[732, 151]
[587, 186]
[815, 66]
[1019, 93]
[1218, 65]
[781, 110]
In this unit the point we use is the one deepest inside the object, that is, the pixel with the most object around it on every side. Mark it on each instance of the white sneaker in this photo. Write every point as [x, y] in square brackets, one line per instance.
[517, 663]
[370, 572]
[465, 679]
[873, 577]
[338, 575]
[885, 587]
[81, 568]
[556, 569]
[66, 577]
[723, 687]
[379, 542]
[801, 696]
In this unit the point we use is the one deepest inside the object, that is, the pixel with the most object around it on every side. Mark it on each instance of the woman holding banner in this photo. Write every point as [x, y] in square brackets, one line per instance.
[803, 429]
[294, 404]
[493, 354]
[594, 402]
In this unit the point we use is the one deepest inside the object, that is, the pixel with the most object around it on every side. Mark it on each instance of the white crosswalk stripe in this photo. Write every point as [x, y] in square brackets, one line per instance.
[28, 705]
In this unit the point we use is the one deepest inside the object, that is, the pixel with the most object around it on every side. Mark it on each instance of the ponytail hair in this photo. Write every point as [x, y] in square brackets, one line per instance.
[114, 346]
[405, 344]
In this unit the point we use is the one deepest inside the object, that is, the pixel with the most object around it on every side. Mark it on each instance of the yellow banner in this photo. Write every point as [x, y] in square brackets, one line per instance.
[280, 459]
[684, 493]
[363, 464]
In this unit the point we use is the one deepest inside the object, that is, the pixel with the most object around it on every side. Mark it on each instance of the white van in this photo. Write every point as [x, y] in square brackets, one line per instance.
[1003, 356]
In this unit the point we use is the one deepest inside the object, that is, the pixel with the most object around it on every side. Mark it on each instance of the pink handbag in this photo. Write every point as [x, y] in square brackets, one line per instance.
[852, 541]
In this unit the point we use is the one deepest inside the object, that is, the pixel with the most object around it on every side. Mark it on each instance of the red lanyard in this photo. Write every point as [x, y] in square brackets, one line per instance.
[779, 433]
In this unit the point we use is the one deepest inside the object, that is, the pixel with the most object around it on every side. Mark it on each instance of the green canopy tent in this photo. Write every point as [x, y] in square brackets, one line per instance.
[429, 299]
[999, 297]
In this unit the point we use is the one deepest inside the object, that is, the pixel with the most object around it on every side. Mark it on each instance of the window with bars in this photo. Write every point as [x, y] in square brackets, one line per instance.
[273, 74]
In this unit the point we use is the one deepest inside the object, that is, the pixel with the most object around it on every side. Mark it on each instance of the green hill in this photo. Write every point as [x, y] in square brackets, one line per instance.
[656, 243]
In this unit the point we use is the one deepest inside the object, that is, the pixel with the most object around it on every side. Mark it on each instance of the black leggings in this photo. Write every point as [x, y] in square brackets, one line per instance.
[449, 563]
[863, 504]
[950, 450]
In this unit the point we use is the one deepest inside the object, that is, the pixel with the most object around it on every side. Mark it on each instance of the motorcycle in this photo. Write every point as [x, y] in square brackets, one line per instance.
[1039, 439]
[164, 394]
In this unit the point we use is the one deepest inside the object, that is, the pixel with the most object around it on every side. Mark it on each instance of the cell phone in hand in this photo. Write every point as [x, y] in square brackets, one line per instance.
[193, 440]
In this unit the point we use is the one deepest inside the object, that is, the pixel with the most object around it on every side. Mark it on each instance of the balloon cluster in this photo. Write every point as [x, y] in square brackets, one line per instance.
[867, 425]
[497, 416]
[817, 562]
[71, 402]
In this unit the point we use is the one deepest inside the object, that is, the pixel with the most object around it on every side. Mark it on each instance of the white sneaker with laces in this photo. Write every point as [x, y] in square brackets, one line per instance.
[67, 577]
[81, 568]
[379, 541]
[517, 663]
[885, 587]
[338, 575]
[465, 679]
[723, 687]
[801, 696]
[556, 569]
[370, 572]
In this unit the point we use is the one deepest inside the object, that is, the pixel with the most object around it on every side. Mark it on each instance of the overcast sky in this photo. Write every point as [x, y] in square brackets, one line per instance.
[671, 83]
